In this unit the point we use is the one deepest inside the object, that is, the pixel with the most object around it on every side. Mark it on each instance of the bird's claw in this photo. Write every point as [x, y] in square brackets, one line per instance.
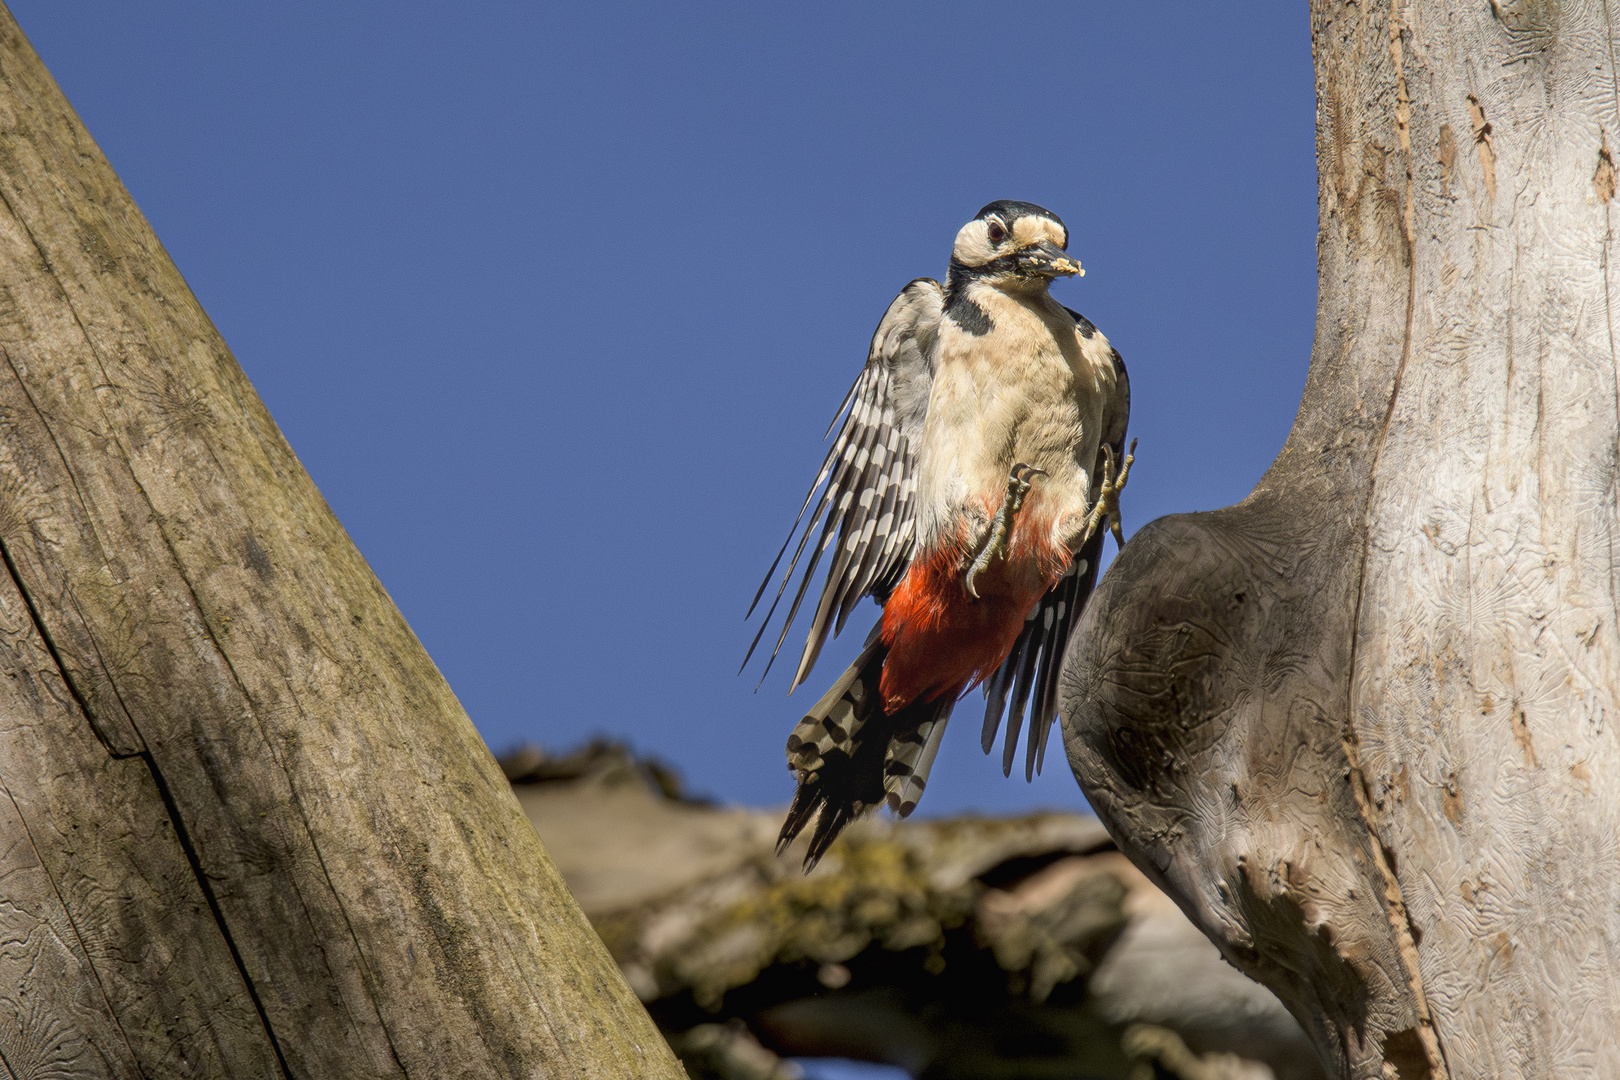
[995, 541]
[1107, 505]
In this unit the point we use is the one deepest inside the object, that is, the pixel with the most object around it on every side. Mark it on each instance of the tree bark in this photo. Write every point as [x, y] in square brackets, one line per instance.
[1362, 725]
[247, 829]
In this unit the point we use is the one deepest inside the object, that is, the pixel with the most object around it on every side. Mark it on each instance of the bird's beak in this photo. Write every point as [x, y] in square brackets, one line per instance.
[1050, 261]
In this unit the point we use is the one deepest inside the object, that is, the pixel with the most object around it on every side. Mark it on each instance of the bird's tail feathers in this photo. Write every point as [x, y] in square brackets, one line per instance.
[910, 757]
[850, 755]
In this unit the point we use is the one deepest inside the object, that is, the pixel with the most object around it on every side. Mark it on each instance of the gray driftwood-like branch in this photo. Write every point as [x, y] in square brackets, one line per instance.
[971, 948]
[245, 828]
[1362, 726]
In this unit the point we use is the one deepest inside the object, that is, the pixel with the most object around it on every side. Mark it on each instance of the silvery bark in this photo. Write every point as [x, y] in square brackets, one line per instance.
[1363, 725]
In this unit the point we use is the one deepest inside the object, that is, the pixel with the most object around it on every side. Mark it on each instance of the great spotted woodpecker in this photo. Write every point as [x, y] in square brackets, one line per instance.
[966, 492]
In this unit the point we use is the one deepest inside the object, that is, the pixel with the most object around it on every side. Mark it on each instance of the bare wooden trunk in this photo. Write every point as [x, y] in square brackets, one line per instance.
[246, 829]
[1363, 724]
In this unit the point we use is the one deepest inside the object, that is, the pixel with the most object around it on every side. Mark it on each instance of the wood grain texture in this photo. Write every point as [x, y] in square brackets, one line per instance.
[1362, 725]
[245, 827]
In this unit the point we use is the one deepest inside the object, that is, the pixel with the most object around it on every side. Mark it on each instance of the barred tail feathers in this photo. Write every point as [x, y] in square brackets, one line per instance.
[851, 755]
[911, 756]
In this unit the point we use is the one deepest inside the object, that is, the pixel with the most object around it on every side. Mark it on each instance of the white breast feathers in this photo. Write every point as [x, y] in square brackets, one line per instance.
[1029, 390]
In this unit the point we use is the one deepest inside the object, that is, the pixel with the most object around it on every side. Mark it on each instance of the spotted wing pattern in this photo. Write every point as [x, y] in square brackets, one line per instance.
[868, 482]
[1028, 679]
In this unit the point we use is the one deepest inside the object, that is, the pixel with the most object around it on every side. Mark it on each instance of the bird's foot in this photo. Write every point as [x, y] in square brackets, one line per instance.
[1107, 506]
[995, 541]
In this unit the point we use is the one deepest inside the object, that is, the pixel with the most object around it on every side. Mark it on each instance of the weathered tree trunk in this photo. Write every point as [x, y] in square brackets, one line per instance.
[247, 829]
[1363, 724]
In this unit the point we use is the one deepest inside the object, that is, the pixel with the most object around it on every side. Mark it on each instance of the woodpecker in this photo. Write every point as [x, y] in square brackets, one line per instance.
[968, 492]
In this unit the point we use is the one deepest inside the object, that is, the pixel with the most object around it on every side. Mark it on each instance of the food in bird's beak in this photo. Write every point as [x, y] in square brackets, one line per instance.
[1049, 260]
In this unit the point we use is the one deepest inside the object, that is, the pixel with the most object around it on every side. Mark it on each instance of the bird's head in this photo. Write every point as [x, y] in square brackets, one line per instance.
[1014, 244]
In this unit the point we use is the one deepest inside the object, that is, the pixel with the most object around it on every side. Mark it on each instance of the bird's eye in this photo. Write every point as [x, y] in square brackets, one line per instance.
[997, 233]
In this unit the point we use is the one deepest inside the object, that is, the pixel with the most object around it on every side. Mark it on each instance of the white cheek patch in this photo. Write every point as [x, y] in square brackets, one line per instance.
[1032, 230]
[973, 246]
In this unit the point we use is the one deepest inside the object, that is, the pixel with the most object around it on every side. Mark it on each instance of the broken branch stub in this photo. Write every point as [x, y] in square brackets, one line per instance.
[1360, 724]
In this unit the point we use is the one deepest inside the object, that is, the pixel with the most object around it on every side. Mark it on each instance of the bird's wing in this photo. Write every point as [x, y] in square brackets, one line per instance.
[867, 507]
[1029, 676]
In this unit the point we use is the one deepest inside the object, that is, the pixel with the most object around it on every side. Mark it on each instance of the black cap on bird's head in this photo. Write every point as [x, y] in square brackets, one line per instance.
[1012, 210]
[1012, 242]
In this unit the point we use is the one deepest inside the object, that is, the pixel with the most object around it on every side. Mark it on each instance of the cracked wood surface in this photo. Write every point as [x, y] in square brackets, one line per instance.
[1363, 724]
[245, 827]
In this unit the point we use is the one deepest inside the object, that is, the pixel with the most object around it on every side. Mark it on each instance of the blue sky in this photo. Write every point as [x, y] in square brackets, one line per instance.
[555, 302]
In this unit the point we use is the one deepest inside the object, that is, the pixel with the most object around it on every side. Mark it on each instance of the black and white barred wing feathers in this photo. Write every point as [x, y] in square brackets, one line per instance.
[866, 511]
